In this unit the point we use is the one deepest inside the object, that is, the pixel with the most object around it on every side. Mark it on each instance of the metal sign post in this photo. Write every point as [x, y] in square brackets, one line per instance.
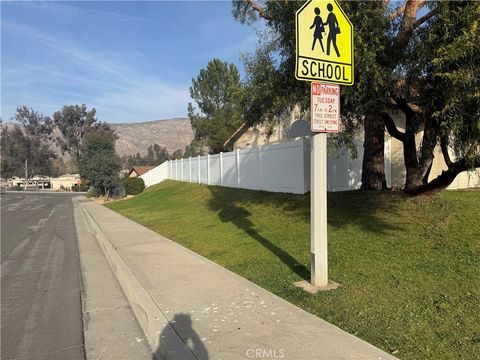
[318, 212]
[324, 52]
[325, 117]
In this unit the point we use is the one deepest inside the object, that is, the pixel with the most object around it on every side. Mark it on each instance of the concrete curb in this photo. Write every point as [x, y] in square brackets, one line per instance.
[147, 312]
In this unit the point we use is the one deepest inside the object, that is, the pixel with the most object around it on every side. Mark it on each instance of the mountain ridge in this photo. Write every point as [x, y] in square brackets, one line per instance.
[173, 133]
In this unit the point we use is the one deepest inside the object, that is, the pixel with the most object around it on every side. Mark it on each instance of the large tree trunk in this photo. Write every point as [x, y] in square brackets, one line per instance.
[373, 167]
[414, 176]
[443, 180]
[418, 166]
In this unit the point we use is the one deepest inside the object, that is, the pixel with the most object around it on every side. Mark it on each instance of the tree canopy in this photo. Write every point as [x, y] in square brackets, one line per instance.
[25, 151]
[98, 162]
[420, 58]
[73, 123]
[156, 155]
[216, 91]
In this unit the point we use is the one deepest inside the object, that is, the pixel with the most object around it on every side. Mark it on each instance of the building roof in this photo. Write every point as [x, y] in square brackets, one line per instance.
[236, 135]
[74, 176]
[140, 170]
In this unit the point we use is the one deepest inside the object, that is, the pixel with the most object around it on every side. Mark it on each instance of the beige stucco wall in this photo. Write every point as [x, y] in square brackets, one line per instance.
[259, 135]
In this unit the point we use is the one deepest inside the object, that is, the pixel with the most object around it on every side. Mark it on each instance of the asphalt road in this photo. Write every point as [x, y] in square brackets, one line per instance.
[41, 283]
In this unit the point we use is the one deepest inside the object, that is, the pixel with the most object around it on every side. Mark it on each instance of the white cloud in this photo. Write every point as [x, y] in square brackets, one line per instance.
[119, 92]
[65, 9]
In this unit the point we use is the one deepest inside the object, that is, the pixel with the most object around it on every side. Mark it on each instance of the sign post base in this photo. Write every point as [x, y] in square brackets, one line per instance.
[308, 287]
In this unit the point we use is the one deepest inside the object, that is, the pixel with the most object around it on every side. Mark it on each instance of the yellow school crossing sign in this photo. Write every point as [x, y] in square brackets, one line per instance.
[324, 43]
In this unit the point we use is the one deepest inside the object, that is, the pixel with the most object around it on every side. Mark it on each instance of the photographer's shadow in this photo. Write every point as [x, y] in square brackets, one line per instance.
[180, 341]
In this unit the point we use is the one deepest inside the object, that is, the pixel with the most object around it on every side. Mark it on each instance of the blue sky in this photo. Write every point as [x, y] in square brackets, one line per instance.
[132, 61]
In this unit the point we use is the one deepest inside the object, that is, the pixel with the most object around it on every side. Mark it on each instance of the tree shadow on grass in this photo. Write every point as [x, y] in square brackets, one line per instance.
[229, 211]
[372, 211]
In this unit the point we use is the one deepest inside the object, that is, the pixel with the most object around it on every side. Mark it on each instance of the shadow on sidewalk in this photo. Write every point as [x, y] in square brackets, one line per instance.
[181, 326]
[229, 211]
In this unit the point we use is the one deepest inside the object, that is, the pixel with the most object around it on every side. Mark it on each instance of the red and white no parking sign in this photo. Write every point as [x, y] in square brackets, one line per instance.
[325, 109]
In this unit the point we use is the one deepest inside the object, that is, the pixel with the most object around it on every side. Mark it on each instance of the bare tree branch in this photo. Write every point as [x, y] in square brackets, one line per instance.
[446, 155]
[413, 107]
[406, 107]
[397, 12]
[392, 128]
[259, 9]
[406, 27]
[422, 19]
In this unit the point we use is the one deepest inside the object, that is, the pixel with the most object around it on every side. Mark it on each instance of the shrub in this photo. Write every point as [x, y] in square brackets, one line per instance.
[133, 186]
[83, 188]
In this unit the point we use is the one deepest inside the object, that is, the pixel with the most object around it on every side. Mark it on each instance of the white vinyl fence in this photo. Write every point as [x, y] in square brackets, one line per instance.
[156, 175]
[280, 167]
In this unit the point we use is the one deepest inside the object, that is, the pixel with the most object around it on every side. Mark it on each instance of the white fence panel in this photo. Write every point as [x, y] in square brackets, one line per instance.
[175, 169]
[249, 169]
[215, 177]
[229, 169]
[466, 179]
[156, 175]
[280, 167]
[194, 169]
[203, 170]
[283, 167]
[338, 171]
[185, 170]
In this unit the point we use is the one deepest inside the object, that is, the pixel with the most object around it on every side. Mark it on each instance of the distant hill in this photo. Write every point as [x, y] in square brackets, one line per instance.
[173, 134]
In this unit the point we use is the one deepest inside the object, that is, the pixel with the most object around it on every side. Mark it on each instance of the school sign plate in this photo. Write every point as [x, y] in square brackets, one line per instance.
[324, 37]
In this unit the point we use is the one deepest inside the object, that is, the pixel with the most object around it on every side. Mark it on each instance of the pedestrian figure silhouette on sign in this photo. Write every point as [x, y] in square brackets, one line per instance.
[319, 29]
[333, 30]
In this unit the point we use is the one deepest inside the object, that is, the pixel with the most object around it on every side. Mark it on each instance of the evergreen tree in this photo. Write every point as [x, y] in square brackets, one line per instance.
[98, 162]
[216, 91]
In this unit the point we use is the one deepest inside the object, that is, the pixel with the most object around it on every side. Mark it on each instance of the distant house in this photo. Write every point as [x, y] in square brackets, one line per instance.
[35, 182]
[66, 181]
[63, 182]
[137, 171]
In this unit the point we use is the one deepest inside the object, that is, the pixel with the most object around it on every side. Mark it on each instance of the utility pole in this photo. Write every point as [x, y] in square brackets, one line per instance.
[26, 174]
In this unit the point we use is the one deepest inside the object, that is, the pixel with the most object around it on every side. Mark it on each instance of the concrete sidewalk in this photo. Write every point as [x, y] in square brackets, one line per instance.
[192, 308]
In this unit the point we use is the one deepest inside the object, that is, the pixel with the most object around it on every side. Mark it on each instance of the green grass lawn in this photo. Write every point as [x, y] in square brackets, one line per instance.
[409, 268]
